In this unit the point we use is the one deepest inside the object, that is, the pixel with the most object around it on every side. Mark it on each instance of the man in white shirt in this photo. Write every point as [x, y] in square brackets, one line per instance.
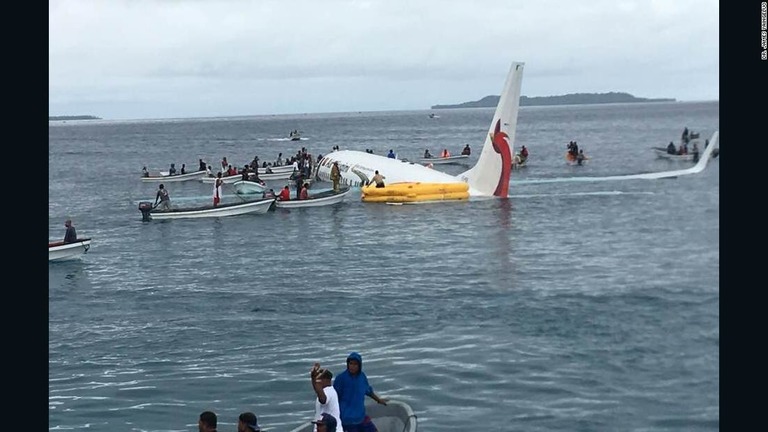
[327, 400]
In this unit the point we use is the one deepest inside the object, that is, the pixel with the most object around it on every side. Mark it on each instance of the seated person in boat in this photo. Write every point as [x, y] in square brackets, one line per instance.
[391, 154]
[201, 165]
[285, 194]
[466, 150]
[580, 157]
[683, 150]
[172, 170]
[231, 171]
[270, 194]
[144, 172]
[163, 197]
[304, 194]
[268, 169]
[445, 153]
[70, 236]
[427, 154]
[378, 179]
[183, 169]
[208, 171]
[245, 173]
[671, 148]
[523, 154]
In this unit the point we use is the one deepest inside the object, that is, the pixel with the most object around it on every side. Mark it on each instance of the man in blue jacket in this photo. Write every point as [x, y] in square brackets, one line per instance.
[352, 387]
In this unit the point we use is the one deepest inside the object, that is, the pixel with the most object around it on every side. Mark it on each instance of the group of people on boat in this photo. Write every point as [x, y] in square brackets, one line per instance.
[683, 150]
[466, 151]
[575, 154]
[520, 157]
[339, 402]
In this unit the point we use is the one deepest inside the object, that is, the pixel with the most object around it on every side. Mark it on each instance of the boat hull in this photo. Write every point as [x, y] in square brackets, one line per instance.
[245, 187]
[234, 209]
[395, 416]
[59, 251]
[459, 159]
[174, 178]
[319, 200]
[662, 154]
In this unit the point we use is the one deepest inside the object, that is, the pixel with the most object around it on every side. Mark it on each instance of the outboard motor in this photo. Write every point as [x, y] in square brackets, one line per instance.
[145, 207]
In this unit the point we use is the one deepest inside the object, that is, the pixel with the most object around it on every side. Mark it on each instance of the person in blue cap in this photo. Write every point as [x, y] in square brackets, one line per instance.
[247, 423]
[352, 387]
[326, 423]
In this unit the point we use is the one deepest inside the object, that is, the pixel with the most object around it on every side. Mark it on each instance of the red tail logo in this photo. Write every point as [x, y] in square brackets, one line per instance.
[501, 146]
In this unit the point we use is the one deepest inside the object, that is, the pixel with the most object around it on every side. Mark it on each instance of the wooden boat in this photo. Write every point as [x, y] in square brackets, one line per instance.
[395, 416]
[246, 187]
[458, 159]
[318, 200]
[165, 178]
[60, 251]
[227, 179]
[232, 209]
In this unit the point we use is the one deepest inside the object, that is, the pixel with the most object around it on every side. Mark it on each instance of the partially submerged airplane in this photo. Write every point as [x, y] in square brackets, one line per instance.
[489, 177]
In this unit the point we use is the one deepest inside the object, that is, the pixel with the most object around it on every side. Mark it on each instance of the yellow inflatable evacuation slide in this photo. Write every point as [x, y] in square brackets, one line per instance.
[415, 192]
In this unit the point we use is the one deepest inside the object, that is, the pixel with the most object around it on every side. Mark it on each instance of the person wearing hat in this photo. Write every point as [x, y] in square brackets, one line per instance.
[247, 422]
[327, 400]
[326, 424]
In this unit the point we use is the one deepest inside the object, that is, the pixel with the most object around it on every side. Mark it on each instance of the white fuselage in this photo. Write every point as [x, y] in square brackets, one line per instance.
[358, 167]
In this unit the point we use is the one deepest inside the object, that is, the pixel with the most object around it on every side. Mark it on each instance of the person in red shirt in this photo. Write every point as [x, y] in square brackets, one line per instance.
[285, 194]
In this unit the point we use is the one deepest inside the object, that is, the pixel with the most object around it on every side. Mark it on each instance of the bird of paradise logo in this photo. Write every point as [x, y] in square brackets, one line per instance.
[500, 143]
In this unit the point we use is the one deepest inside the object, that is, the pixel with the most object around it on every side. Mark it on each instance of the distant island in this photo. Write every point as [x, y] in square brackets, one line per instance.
[569, 99]
[75, 117]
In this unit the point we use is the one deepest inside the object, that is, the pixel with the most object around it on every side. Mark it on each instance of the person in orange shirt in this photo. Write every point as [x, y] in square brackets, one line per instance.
[285, 194]
[445, 153]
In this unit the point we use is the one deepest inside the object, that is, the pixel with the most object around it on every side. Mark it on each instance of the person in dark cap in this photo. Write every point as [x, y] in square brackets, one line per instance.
[207, 422]
[247, 423]
[326, 423]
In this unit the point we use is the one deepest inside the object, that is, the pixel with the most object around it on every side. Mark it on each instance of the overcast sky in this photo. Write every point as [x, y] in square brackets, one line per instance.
[136, 59]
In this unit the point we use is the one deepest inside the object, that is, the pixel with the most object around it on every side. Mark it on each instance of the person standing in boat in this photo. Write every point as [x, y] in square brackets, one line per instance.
[172, 170]
[217, 189]
[671, 148]
[183, 169]
[201, 165]
[352, 387]
[70, 235]
[327, 400]
[224, 164]
[695, 152]
[467, 151]
[580, 157]
[163, 197]
[685, 137]
[335, 176]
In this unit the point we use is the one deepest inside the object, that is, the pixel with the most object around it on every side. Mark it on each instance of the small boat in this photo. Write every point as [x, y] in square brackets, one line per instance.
[395, 416]
[434, 116]
[60, 251]
[247, 187]
[165, 178]
[295, 135]
[661, 152]
[233, 209]
[518, 161]
[570, 159]
[458, 159]
[321, 199]
[276, 169]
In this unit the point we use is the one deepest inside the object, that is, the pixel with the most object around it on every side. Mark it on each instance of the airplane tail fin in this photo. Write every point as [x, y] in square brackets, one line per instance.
[490, 175]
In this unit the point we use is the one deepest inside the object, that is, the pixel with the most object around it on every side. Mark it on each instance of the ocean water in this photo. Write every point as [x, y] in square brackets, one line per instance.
[587, 306]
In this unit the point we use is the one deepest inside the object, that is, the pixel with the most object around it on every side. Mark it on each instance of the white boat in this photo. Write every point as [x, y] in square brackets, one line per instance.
[458, 159]
[661, 152]
[295, 135]
[276, 169]
[395, 416]
[233, 209]
[246, 187]
[321, 199]
[60, 251]
[165, 178]
[434, 116]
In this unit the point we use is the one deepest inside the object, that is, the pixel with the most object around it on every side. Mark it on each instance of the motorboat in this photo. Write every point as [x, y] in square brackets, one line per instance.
[458, 159]
[164, 177]
[247, 187]
[149, 212]
[318, 200]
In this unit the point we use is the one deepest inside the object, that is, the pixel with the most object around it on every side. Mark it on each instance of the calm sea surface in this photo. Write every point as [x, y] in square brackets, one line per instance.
[590, 306]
